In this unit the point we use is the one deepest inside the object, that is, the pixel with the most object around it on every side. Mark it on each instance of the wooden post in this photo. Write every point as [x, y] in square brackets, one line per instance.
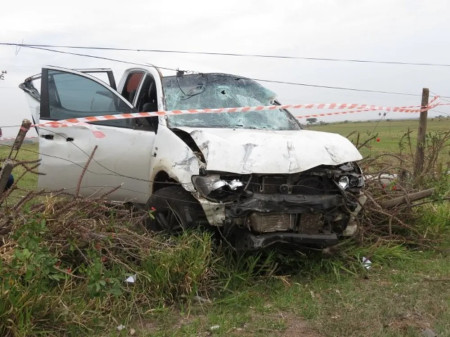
[20, 138]
[420, 155]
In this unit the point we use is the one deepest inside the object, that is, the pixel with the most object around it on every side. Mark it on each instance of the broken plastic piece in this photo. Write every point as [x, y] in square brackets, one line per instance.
[366, 263]
[131, 279]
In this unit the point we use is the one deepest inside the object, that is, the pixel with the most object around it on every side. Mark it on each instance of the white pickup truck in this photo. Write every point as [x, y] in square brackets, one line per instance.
[257, 175]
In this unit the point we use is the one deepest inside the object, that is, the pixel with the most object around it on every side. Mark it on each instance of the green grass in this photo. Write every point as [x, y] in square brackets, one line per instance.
[399, 298]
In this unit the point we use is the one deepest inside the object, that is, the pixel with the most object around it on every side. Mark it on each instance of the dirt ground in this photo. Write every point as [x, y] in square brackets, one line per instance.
[290, 325]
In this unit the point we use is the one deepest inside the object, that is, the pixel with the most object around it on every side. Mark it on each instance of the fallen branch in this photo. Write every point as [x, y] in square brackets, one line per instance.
[407, 198]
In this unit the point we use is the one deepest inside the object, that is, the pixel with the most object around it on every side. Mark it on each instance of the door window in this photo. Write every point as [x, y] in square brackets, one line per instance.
[71, 95]
[132, 85]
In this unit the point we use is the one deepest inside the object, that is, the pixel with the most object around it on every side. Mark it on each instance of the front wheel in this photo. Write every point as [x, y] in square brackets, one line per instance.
[175, 209]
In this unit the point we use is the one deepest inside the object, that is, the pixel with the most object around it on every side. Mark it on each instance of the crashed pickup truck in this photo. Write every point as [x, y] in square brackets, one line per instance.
[256, 176]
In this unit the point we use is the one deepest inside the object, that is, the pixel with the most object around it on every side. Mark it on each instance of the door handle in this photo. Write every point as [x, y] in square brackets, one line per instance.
[51, 137]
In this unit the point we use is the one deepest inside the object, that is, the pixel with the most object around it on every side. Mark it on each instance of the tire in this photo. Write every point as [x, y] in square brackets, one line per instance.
[175, 210]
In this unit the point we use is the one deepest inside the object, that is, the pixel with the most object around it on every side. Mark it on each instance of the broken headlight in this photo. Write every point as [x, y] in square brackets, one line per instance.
[349, 177]
[214, 188]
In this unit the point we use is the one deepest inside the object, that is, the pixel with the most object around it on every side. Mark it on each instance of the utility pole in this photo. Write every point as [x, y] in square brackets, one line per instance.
[420, 155]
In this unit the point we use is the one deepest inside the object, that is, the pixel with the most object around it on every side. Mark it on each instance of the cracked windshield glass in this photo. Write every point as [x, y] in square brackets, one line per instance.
[211, 91]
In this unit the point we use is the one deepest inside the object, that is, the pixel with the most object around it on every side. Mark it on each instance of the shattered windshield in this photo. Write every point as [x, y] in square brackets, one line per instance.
[211, 91]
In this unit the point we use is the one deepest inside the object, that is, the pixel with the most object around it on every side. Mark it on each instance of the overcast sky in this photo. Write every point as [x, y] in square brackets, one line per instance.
[382, 30]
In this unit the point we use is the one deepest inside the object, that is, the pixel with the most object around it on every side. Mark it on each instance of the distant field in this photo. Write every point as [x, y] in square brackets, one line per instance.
[388, 132]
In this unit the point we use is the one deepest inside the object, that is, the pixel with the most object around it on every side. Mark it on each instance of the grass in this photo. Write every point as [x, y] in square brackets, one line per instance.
[186, 287]
[399, 298]
[389, 133]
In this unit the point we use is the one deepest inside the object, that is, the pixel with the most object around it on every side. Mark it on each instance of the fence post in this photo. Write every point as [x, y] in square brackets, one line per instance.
[420, 155]
[26, 124]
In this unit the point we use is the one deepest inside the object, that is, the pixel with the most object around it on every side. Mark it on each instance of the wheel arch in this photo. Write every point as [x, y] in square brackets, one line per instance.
[163, 179]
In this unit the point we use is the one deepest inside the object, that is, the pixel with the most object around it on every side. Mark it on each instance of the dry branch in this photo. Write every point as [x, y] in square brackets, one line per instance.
[407, 198]
[77, 193]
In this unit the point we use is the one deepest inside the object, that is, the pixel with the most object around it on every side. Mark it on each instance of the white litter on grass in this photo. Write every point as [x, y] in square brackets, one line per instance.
[200, 299]
[214, 327]
[121, 327]
[131, 279]
[366, 263]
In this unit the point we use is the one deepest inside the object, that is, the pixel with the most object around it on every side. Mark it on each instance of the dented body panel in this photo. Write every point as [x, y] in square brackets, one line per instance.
[172, 155]
[269, 151]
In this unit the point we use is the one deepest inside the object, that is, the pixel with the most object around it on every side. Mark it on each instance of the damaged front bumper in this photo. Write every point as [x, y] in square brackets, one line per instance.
[293, 220]
[314, 208]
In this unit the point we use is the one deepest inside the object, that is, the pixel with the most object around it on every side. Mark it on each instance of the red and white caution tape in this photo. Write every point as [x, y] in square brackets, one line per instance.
[362, 107]
[352, 108]
[365, 108]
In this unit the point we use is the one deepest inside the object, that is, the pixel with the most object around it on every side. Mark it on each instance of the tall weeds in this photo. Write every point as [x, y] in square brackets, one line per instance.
[71, 265]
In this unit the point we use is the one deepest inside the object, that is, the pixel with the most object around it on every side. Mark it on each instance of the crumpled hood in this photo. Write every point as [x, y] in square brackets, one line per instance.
[268, 151]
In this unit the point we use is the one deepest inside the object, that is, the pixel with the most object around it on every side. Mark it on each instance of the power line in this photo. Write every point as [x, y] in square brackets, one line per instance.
[329, 59]
[191, 71]
[338, 88]
[9, 126]
[440, 96]
[112, 172]
[100, 57]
